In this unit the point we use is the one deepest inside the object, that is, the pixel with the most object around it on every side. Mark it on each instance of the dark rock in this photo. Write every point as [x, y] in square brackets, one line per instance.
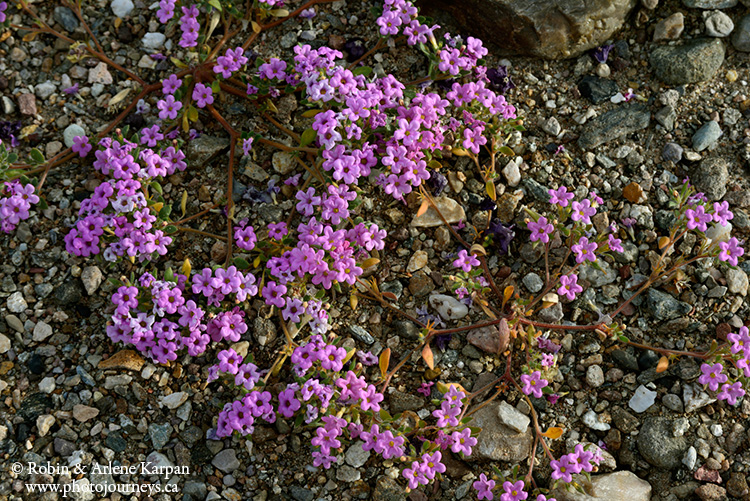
[624, 421]
[395, 287]
[691, 62]
[596, 89]
[387, 489]
[613, 124]
[741, 35]
[34, 406]
[401, 402]
[66, 18]
[648, 360]
[300, 493]
[69, 292]
[664, 307]
[64, 447]
[711, 177]
[658, 445]
[737, 486]
[550, 29]
[115, 441]
[406, 329]
[360, 334]
[35, 364]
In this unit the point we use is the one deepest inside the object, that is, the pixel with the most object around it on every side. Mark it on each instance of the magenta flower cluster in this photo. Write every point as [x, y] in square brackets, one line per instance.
[15, 202]
[581, 460]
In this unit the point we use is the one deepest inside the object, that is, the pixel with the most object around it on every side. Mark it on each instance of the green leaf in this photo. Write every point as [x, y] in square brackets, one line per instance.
[115, 282]
[42, 205]
[216, 87]
[506, 151]
[215, 4]
[170, 229]
[165, 212]
[308, 137]
[169, 274]
[362, 70]
[623, 339]
[12, 158]
[192, 113]
[36, 156]
[241, 263]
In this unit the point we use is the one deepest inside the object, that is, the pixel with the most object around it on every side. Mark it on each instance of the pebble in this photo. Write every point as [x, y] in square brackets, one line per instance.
[487, 339]
[670, 28]
[672, 402]
[92, 278]
[42, 331]
[718, 24]
[122, 8]
[694, 397]
[153, 41]
[110, 382]
[16, 303]
[159, 434]
[680, 426]
[44, 423]
[417, 261]
[497, 442]
[706, 136]
[360, 334]
[27, 104]
[174, 400]
[72, 131]
[712, 177]
[451, 210]
[66, 18]
[666, 117]
[659, 446]
[741, 35]
[595, 376]
[617, 486]
[613, 124]
[4, 343]
[737, 281]
[99, 74]
[47, 385]
[533, 282]
[44, 90]
[283, 162]
[709, 4]
[642, 399]
[694, 61]
[347, 474]
[551, 126]
[513, 418]
[664, 307]
[711, 492]
[83, 413]
[512, 172]
[690, 458]
[672, 152]
[448, 307]
[598, 278]
[355, 455]
[596, 89]
[226, 461]
[123, 359]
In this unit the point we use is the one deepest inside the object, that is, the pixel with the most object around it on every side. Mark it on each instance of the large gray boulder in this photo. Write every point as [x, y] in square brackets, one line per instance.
[550, 29]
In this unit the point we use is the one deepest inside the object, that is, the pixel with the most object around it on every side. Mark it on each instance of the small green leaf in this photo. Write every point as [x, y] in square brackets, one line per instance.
[215, 4]
[623, 339]
[170, 229]
[165, 212]
[157, 188]
[42, 205]
[241, 263]
[216, 87]
[506, 151]
[12, 158]
[308, 137]
[362, 70]
[36, 156]
[169, 274]
[192, 113]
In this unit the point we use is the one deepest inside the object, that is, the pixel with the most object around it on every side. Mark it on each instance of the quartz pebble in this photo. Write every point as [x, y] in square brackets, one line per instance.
[42, 331]
[512, 417]
[16, 303]
[122, 8]
[448, 307]
[642, 399]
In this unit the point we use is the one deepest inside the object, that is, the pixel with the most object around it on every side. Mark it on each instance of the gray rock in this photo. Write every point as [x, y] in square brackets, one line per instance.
[301, 494]
[153, 41]
[204, 147]
[4, 343]
[596, 89]
[355, 455]
[450, 209]
[669, 28]
[360, 334]
[401, 402]
[694, 397]
[195, 491]
[174, 400]
[591, 420]
[45, 89]
[122, 9]
[551, 126]
[72, 131]
[672, 152]
[42, 331]
[617, 486]
[551, 315]
[673, 402]
[497, 442]
[533, 282]
[44, 423]
[741, 35]
[513, 418]
[47, 385]
[159, 434]
[709, 4]
[642, 399]
[666, 117]
[66, 18]
[737, 281]
[706, 136]
[347, 474]
[551, 29]
[99, 74]
[613, 124]
[658, 445]
[598, 278]
[691, 456]
[711, 177]
[595, 376]
[226, 461]
[692, 62]
[665, 307]
[92, 278]
[16, 303]
[718, 24]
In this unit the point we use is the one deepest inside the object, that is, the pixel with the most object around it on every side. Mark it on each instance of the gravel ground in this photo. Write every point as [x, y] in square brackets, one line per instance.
[68, 394]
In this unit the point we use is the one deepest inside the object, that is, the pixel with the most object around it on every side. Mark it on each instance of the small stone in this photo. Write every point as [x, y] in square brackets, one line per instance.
[16, 303]
[42, 331]
[44, 423]
[737, 485]
[27, 104]
[597, 90]
[694, 397]
[591, 420]
[72, 131]
[694, 61]
[709, 4]
[664, 307]
[658, 445]
[603, 70]
[712, 177]
[355, 455]
[66, 18]
[174, 400]
[711, 492]
[613, 124]
[650, 4]
[670, 28]
[595, 376]
[672, 152]
[400, 402]
[718, 24]
[706, 136]
[347, 474]
[417, 261]
[512, 173]
[741, 35]
[122, 8]
[448, 307]
[226, 461]
[551, 126]
[497, 442]
[159, 434]
[283, 162]
[361, 334]
[691, 456]
[617, 486]
[92, 278]
[99, 74]
[487, 339]
[44, 90]
[47, 385]
[153, 41]
[513, 418]
[123, 359]
[737, 281]
[533, 282]
[666, 117]
[450, 209]
[4, 343]
[642, 399]
[672, 402]
[633, 193]
[83, 413]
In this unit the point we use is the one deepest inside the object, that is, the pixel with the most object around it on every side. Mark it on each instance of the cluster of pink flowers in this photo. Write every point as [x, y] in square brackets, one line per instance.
[581, 460]
[15, 202]
[118, 216]
[450, 408]
[230, 62]
[166, 10]
[189, 26]
[713, 376]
